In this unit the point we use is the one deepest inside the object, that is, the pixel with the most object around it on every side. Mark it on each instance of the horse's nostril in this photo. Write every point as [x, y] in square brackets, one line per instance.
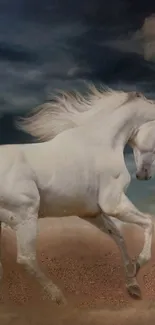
[145, 170]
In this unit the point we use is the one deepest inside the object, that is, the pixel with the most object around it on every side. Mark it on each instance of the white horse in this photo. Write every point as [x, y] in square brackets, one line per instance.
[79, 172]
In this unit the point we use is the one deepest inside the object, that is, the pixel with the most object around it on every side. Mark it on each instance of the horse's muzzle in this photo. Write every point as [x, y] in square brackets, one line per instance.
[143, 177]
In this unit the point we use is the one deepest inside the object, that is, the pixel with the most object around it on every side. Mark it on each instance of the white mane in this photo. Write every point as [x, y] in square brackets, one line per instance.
[69, 110]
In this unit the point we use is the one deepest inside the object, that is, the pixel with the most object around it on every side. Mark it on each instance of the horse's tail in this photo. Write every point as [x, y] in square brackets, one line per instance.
[53, 117]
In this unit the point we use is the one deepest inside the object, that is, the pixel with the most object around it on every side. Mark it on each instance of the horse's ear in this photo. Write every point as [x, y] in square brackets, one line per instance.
[133, 94]
[138, 94]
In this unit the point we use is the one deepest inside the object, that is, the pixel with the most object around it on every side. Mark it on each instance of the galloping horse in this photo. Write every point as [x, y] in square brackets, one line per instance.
[81, 171]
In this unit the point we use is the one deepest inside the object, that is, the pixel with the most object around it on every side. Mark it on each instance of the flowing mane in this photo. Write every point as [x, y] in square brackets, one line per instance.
[69, 110]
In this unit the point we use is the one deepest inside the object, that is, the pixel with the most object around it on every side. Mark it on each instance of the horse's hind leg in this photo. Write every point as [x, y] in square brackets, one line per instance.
[24, 220]
[26, 233]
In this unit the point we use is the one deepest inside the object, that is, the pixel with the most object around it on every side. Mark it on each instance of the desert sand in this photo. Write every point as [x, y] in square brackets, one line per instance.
[86, 264]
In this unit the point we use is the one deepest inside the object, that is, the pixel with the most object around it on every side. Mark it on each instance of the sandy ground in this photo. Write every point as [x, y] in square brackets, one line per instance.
[86, 264]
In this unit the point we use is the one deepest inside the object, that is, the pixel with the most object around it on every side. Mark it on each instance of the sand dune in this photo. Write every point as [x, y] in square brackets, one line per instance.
[86, 264]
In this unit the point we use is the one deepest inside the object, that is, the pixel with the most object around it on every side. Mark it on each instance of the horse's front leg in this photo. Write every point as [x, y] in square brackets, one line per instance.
[113, 231]
[108, 226]
[128, 213]
[113, 202]
[26, 233]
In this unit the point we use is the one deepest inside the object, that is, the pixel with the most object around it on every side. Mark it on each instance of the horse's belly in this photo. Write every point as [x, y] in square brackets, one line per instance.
[71, 188]
[54, 204]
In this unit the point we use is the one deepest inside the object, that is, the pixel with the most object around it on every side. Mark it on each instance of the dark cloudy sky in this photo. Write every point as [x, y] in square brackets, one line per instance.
[61, 43]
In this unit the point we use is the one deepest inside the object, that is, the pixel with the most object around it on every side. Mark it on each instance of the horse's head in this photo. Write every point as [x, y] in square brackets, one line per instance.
[143, 144]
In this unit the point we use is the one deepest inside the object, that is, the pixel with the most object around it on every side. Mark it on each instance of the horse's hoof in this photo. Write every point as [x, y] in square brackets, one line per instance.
[54, 294]
[134, 291]
[61, 300]
[58, 296]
